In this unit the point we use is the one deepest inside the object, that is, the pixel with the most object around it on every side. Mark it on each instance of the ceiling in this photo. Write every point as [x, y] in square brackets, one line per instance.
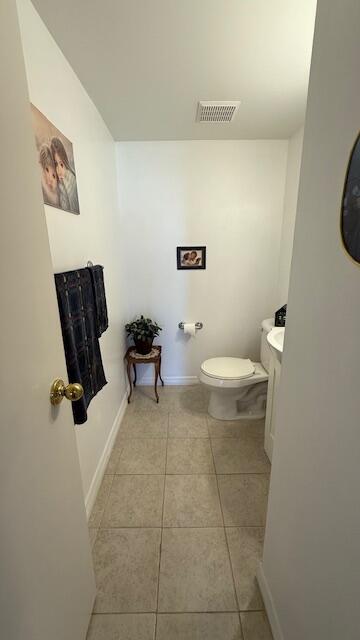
[146, 63]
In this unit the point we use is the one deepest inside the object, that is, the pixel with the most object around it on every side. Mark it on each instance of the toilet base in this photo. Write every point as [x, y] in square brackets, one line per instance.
[238, 404]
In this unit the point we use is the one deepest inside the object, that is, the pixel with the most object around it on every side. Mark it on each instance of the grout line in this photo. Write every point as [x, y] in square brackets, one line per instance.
[187, 437]
[241, 627]
[207, 426]
[199, 473]
[204, 473]
[205, 438]
[176, 613]
[216, 526]
[245, 473]
[159, 526]
[156, 473]
[126, 438]
[227, 545]
[162, 528]
[112, 476]
[92, 545]
[119, 458]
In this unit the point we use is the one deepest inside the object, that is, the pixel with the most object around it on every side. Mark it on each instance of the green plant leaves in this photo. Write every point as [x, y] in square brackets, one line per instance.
[142, 328]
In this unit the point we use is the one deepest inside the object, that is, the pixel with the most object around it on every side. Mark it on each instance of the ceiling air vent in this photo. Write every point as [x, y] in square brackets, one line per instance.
[217, 111]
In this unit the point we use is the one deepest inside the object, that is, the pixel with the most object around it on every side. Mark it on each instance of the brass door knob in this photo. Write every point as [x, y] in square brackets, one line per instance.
[60, 390]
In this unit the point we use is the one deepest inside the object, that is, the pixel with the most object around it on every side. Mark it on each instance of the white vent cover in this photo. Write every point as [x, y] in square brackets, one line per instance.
[217, 111]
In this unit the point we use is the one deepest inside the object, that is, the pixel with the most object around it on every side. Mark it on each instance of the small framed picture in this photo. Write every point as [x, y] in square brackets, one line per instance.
[191, 257]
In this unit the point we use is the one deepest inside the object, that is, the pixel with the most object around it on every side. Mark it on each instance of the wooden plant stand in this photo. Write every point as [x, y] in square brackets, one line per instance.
[132, 359]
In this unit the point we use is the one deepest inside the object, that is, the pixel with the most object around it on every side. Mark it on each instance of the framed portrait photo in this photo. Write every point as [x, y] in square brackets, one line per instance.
[191, 257]
[56, 164]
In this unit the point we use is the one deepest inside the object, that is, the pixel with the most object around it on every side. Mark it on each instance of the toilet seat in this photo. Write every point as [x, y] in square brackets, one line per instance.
[228, 368]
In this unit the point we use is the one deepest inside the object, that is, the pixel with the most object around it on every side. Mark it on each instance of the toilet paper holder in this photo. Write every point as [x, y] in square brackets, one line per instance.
[198, 325]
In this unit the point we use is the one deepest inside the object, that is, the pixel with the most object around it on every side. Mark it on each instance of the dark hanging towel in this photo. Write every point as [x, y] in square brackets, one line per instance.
[97, 278]
[78, 323]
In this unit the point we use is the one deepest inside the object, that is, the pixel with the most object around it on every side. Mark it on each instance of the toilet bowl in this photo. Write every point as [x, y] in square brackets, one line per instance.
[238, 386]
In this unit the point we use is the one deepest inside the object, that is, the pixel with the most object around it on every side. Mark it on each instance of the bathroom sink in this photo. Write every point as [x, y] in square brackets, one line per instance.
[275, 338]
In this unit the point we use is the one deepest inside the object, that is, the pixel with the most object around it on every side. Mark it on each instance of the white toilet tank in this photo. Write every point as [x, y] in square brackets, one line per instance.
[265, 352]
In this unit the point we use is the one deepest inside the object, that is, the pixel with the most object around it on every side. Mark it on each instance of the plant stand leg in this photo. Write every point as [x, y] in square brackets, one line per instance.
[134, 367]
[130, 382]
[162, 381]
[156, 379]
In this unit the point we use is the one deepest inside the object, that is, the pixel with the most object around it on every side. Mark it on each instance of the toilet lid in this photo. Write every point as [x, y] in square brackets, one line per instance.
[228, 368]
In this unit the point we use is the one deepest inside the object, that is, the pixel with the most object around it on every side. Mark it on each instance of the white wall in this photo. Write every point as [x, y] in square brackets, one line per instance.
[227, 195]
[312, 551]
[290, 202]
[93, 235]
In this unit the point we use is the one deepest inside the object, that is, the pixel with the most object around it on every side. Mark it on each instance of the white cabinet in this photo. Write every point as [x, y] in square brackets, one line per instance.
[271, 406]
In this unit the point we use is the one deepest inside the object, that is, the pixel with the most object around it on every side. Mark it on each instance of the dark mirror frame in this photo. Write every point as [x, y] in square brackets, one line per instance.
[350, 205]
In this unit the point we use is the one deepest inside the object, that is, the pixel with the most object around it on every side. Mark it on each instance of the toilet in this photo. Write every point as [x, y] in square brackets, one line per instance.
[238, 386]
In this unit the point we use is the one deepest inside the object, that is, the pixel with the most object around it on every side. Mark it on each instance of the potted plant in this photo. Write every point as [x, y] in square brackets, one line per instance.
[143, 331]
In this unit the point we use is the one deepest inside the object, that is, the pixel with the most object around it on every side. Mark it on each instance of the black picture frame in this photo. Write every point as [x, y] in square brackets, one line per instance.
[199, 260]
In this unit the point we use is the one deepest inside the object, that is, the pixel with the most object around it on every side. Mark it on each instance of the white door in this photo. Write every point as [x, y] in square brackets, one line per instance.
[46, 578]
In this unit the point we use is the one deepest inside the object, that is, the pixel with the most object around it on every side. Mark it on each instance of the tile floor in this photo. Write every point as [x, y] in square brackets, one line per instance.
[177, 527]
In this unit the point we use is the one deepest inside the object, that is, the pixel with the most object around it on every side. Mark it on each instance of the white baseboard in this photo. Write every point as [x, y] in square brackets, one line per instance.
[168, 381]
[100, 469]
[269, 603]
